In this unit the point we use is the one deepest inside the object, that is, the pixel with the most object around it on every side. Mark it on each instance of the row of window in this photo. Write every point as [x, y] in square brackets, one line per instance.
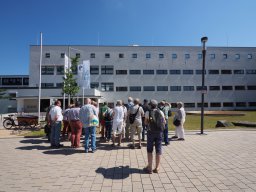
[218, 104]
[109, 70]
[14, 81]
[160, 55]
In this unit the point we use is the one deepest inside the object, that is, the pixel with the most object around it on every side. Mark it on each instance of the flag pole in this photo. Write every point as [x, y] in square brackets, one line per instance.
[40, 79]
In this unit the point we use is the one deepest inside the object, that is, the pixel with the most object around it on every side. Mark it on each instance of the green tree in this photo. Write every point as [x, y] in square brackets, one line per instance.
[70, 86]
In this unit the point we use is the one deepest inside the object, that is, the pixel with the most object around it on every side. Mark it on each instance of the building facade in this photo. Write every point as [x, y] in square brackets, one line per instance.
[171, 73]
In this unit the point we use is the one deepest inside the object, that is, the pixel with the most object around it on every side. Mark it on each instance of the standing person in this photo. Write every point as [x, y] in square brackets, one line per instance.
[180, 117]
[108, 117]
[136, 126]
[85, 115]
[125, 119]
[66, 125]
[127, 127]
[103, 109]
[145, 107]
[156, 123]
[76, 125]
[47, 128]
[164, 107]
[56, 118]
[118, 117]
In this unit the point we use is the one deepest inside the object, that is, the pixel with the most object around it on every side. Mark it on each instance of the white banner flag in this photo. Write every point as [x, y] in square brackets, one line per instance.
[66, 64]
[84, 74]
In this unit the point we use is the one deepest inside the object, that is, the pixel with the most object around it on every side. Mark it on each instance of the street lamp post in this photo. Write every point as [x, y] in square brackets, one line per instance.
[203, 40]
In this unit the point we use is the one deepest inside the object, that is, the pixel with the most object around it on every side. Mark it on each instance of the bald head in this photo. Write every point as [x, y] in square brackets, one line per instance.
[87, 101]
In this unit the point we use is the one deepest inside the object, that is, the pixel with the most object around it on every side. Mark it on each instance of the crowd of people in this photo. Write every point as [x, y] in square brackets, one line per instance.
[119, 123]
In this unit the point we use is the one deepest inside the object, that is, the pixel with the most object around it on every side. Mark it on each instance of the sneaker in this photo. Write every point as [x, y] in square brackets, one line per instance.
[181, 139]
[86, 151]
[166, 144]
[174, 137]
[93, 151]
[132, 147]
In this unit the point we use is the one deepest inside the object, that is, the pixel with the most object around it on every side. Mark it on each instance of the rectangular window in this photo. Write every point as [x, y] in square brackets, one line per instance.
[251, 87]
[62, 55]
[107, 55]
[161, 56]
[47, 55]
[94, 70]
[78, 55]
[212, 56]
[92, 55]
[188, 88]
[174, 56]
[214, 88]
[121, 55]
[225, 56]
[213, 72]
[11, 81]
[135, 72]
[227, 88]
[249, 56]
[239, 87]
[121, 72]
[107, 86]
[174, 72]
[199, 56]
[200, 88]
[199, 72]
[148, 72]
[25, 81]
[135, 88]
[162, 88]
[241, 71]
[120, 89]
[228, 104]
[252, 104]
[148, 88]
[189, 105]
[188, 72]
[134, 55]
[226, 72]
[237, 56]
[47, 70]
[175, 88]
[60, 70]
[251, 71]
[59, 85]
[148, 55]
[240, 104]
[200, 104]
[107, 70]
[215, 104]
[187, 56]
[47, 85]
[161, 72]
[95, 85]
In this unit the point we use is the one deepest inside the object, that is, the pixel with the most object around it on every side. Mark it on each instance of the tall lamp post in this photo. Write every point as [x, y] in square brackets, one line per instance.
[203, 41]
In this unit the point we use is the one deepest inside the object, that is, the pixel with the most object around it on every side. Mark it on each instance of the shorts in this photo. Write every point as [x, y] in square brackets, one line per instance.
[154, 139]
[117, 127]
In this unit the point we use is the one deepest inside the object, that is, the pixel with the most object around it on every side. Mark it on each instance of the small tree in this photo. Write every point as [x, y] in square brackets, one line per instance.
[70, 86]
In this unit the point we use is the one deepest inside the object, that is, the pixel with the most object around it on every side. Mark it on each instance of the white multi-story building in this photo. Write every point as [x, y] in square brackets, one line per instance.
[171, 73]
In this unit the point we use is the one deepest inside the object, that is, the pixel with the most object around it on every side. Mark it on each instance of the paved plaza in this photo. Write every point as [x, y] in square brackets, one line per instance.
[218, 161]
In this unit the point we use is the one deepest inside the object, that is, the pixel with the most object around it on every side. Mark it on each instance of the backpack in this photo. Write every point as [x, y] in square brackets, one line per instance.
[107, 115]
[156, 123]
[133, 116]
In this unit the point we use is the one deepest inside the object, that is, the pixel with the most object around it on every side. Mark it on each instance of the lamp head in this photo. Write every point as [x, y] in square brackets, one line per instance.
[204, 39]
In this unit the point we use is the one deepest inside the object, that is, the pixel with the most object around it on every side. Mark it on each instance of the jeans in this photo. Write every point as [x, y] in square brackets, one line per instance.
[55, 133]
[108, 127]
[166, 140]
[144, 128]
[90, 132]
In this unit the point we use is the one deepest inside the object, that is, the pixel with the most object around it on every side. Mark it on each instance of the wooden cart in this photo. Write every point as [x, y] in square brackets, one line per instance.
[27, 120]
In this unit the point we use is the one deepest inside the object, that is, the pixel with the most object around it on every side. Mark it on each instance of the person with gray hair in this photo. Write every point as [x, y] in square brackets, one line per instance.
[127, 127]
[180, 117]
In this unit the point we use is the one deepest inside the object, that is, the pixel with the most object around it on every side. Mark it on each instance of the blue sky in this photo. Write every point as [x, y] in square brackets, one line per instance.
[120, 22]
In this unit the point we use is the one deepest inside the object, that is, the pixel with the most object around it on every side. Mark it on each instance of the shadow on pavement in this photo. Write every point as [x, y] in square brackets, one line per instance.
[120, 172]
[34, 141]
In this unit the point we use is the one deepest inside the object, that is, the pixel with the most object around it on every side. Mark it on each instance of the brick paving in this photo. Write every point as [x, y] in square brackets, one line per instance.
[219, 161]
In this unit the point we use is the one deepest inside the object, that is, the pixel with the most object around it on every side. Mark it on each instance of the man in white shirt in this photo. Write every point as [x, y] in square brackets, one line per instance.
[56, 117]
[118, 118]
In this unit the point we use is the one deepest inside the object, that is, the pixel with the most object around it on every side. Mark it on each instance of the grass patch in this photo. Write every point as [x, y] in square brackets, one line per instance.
[193, 122]
[34, 133]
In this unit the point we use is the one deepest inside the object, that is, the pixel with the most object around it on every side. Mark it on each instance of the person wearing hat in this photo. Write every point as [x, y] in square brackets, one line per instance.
[156, 122]
[118, 117]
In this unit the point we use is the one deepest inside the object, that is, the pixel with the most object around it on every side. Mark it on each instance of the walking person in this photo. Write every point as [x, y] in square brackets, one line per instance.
[86, 113]
[127, 127]
[118, 117]
[156, 123]
[137, 112]
[56, 118]
[178, 121]
[76, 125]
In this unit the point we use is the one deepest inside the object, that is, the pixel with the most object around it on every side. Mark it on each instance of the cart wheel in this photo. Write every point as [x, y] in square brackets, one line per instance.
[7, 124]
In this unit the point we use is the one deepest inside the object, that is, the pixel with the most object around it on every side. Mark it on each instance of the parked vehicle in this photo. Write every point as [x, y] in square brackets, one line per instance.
[21, 121]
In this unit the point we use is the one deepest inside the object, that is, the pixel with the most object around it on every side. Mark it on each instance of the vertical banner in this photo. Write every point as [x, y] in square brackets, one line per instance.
[66, 64]
[84, 74]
